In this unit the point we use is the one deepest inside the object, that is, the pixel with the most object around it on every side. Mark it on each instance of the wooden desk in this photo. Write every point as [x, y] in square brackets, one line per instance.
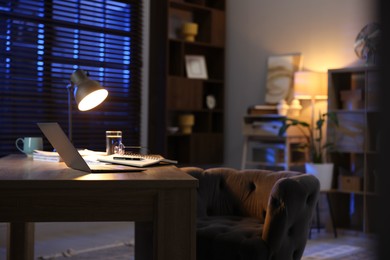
[161, 201]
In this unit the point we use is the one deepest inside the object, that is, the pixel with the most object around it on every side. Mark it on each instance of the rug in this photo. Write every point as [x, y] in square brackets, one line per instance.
[118, 251]
[342, 248]
[333, 253]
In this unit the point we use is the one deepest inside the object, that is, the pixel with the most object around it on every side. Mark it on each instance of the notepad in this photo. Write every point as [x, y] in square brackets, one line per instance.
[136, 160]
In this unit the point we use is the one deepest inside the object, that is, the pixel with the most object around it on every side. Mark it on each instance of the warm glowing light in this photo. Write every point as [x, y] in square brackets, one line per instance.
[310, 84]
[93, 99]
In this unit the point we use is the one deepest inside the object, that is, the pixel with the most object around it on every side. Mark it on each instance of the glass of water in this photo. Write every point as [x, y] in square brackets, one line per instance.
[113, 140]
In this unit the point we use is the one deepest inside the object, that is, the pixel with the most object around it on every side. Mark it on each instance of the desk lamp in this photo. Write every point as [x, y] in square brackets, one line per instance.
[87, 93]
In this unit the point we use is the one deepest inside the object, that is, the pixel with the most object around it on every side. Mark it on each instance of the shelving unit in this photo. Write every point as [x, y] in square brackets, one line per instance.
[264, 149]
[353, 94]
[172, 93]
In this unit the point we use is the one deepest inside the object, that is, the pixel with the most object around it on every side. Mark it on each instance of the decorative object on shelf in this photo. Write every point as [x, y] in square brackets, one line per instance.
[280, 75]
[172, 129]
[367, 42]
[189, 31]
[352, 99]
[317, 147]
[282, 107]
[186, 122]
[210, 102]
[295, 108]
[196, 67]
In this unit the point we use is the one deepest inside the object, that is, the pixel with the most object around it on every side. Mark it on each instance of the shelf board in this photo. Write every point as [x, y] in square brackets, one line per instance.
[353, 69]
[346, 191]
[196, 43]
[347, 111]
[191, 6]
[203, 110]
[218, 81]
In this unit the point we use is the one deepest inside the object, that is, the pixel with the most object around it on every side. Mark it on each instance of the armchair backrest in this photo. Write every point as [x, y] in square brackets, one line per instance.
[231, 192]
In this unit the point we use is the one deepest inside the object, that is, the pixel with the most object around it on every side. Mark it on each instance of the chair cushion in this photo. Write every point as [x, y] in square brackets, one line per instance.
[230, 237]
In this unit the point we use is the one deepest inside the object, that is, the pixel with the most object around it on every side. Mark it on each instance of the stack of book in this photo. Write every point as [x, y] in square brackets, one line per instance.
[40, 155]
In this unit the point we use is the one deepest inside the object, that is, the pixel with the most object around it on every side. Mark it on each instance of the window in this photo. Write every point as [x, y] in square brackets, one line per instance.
[41, 44]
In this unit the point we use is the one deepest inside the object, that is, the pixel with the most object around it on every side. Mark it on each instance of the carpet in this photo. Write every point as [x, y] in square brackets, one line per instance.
[118, 251]
[345, 247]
[320, 248]
[125, 251]
[335, 252]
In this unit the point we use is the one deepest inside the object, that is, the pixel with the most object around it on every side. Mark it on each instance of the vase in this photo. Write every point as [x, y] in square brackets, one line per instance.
[323, 172]
[190, 30]
[186, 123]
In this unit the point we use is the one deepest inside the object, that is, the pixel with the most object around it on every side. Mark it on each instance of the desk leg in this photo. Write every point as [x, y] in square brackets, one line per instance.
[143, 234]
[172, 234]
[20, 241]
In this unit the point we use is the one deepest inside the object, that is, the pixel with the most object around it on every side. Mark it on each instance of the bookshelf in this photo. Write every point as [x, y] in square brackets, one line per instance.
[173, 94]
[353, 94]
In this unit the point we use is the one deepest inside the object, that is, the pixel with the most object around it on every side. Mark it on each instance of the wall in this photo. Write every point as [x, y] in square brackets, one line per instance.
[323, 31]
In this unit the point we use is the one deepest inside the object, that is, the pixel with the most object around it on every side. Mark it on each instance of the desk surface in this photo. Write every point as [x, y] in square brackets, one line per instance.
[22, 168]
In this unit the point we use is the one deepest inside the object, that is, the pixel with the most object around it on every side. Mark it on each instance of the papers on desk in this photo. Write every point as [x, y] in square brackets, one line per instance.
[93, 157]
[88, 155]
[40, 155]
[137, 160]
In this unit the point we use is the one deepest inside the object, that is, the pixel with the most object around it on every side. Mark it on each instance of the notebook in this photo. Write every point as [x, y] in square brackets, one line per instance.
[137, 160]
[71, 156]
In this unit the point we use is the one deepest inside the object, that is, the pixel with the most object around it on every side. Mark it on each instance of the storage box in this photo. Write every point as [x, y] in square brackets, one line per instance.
[350, 183]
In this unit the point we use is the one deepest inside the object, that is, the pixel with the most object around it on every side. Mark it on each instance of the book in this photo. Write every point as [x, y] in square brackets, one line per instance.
[262, 110]
[136, 160]
[39, 155]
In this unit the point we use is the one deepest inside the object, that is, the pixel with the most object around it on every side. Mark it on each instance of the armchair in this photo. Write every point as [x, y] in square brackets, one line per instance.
[253, 214]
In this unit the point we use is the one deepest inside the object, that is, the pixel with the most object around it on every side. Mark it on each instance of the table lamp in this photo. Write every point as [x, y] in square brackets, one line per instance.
[87, 93]
[310, 85]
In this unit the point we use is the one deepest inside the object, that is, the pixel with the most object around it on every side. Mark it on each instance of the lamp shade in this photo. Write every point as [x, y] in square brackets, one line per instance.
[310, 84]
[88, 93]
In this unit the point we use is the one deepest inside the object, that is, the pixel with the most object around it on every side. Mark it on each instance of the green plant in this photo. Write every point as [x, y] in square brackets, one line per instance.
[314, 134]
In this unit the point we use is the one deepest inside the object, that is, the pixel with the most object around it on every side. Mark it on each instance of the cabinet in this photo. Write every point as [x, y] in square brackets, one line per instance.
[353, 94]
[172, 93]
[263, 147]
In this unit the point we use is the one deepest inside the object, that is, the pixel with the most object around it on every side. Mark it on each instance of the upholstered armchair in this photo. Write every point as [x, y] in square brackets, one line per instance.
[253, 214]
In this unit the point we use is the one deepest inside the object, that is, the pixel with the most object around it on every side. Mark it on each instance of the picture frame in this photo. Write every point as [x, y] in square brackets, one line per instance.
[196, 66]
[280, 77]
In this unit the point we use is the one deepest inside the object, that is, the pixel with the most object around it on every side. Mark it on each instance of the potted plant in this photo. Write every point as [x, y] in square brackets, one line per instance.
[316, 145]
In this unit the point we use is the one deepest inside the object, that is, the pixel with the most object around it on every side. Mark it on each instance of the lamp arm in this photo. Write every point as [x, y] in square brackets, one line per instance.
[70, 88]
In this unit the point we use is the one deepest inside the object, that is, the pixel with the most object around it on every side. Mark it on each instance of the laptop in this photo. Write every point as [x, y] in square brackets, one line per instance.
[72, 157]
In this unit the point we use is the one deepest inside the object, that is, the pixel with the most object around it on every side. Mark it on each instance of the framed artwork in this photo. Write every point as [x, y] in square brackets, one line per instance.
[196, 67]
[280, 77]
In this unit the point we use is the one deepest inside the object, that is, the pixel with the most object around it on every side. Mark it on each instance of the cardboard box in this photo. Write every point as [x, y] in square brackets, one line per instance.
[350, 183]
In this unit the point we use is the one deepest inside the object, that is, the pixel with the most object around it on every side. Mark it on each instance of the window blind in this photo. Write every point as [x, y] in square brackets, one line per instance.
[41, 44]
